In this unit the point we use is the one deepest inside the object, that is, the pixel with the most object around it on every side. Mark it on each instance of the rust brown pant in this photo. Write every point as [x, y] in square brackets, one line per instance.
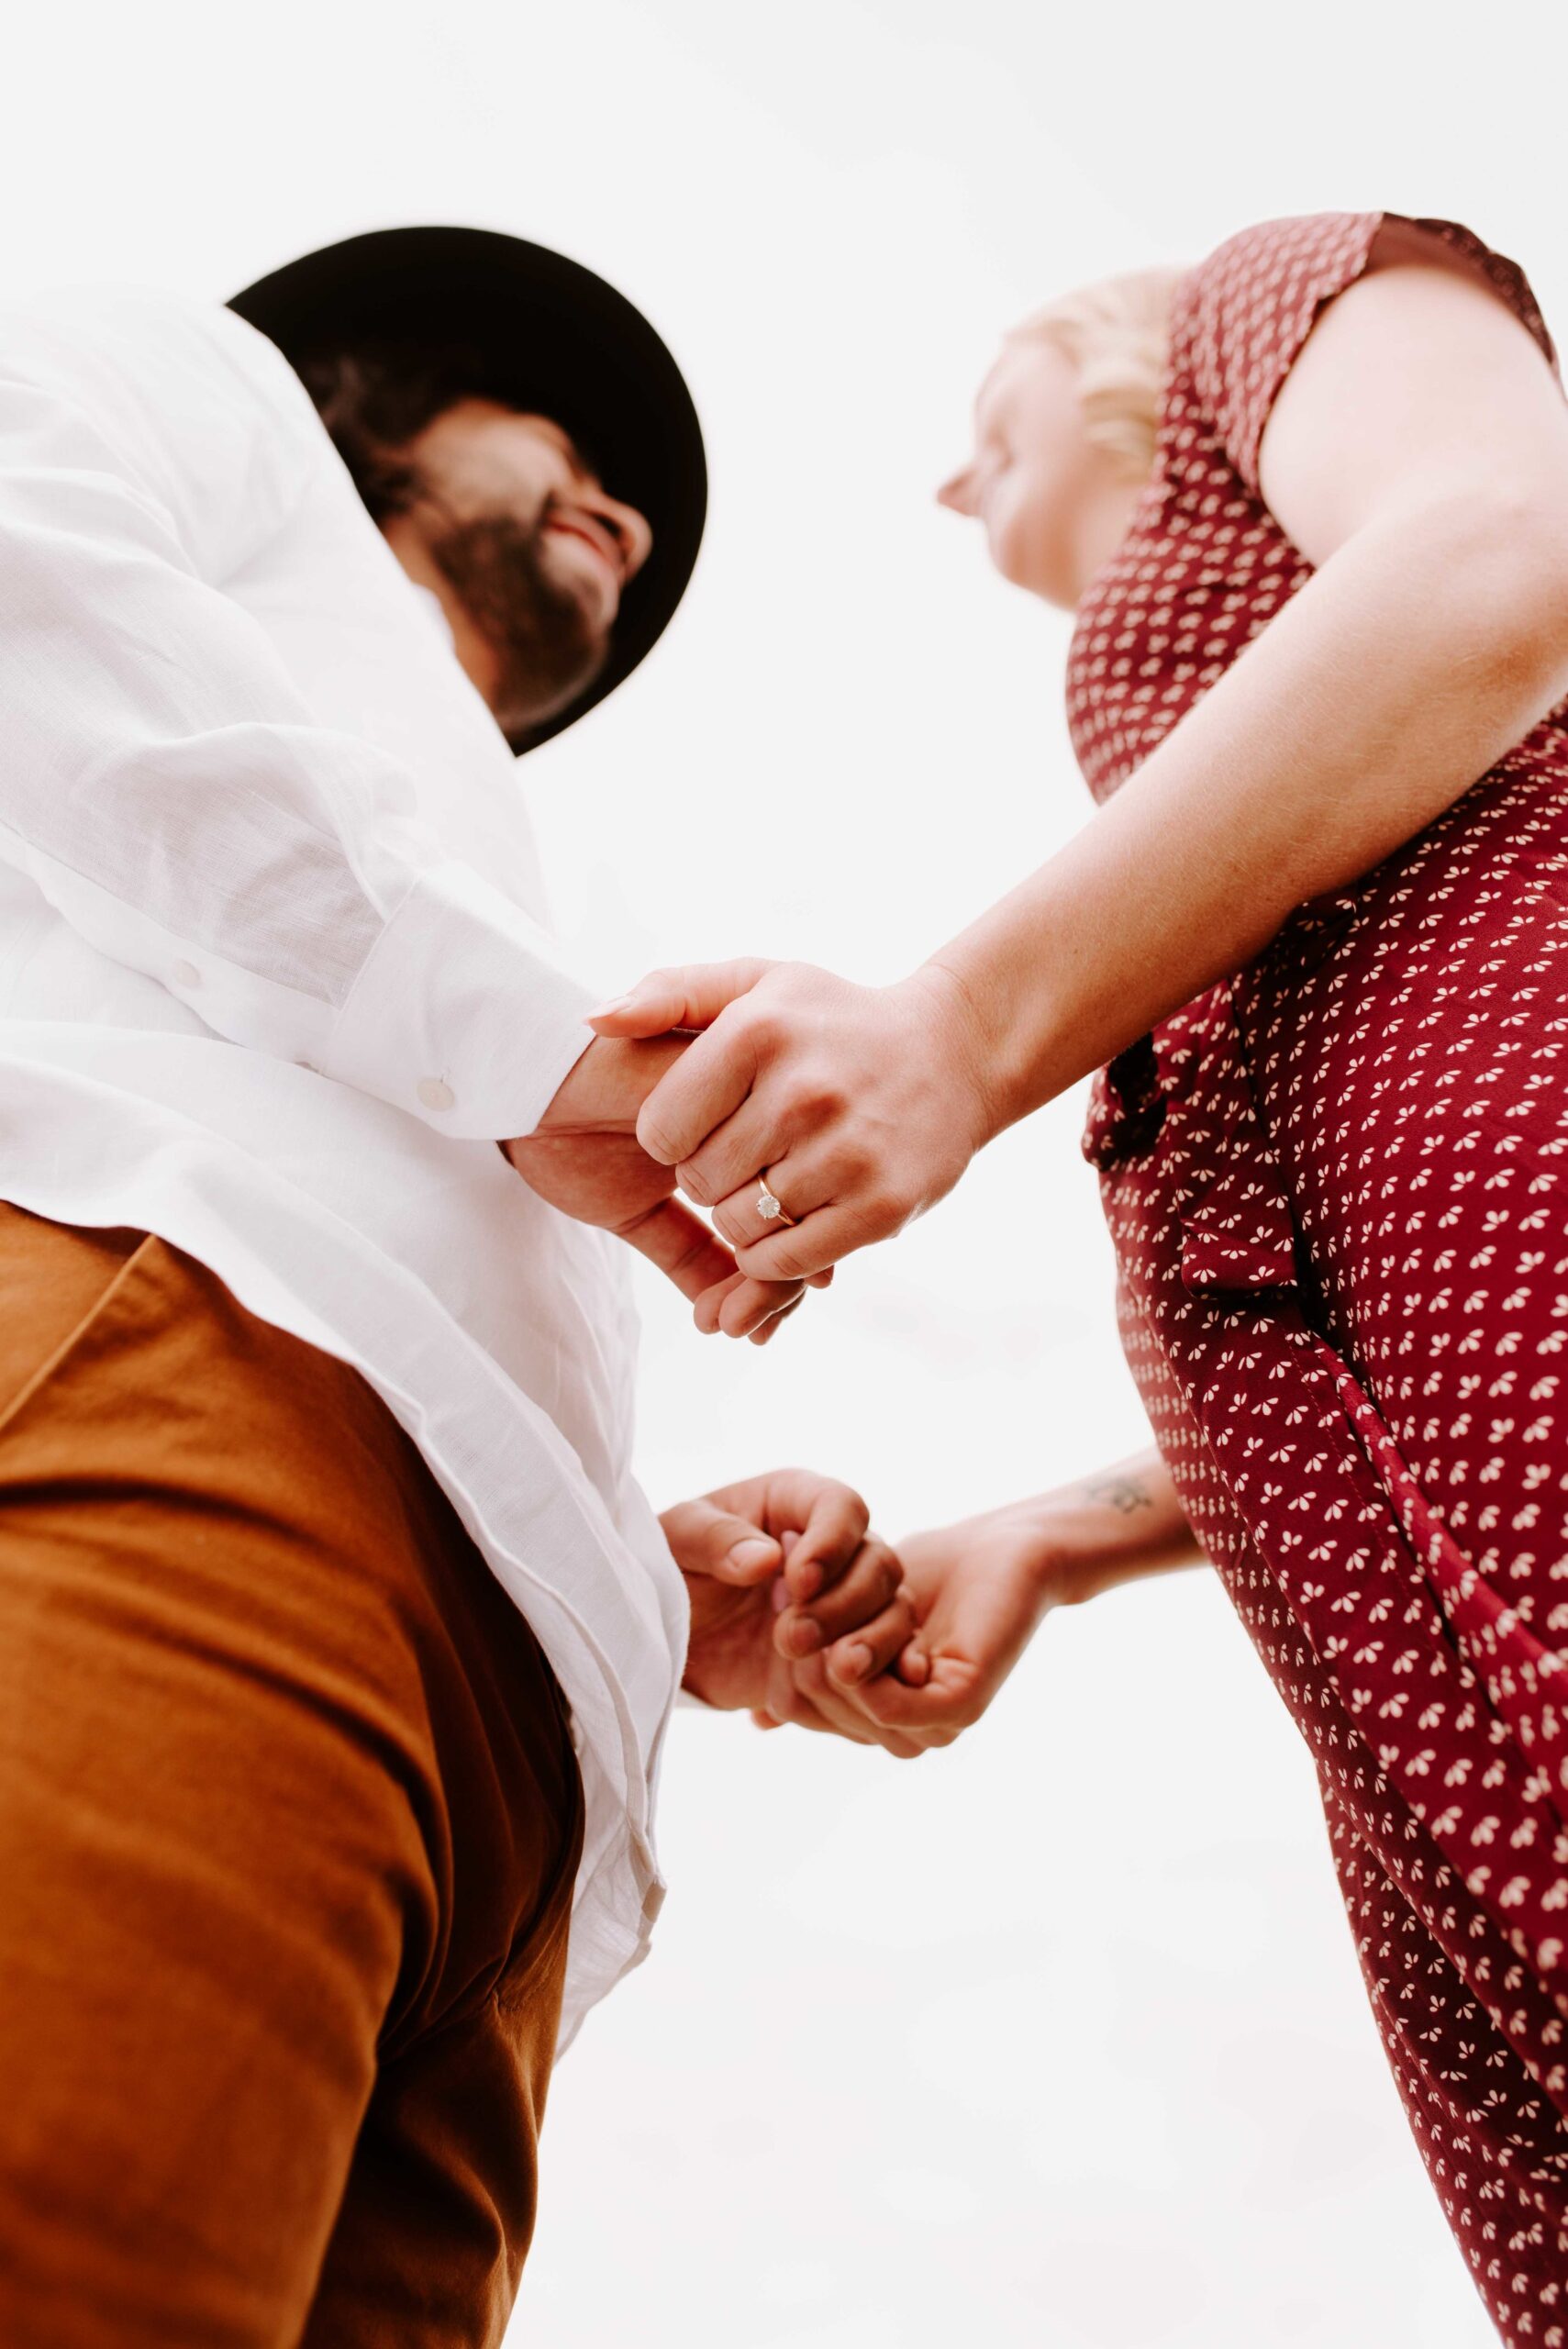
[289, 1818]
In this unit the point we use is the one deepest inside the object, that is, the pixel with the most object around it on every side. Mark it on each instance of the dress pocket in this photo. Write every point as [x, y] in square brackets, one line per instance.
[1182, 1099]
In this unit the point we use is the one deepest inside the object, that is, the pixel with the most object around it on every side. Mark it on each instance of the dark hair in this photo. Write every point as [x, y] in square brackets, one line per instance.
[376, 397]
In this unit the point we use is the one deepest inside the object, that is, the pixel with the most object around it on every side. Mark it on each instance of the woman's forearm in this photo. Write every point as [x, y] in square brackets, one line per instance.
[1122, 1523]
[1427, 646]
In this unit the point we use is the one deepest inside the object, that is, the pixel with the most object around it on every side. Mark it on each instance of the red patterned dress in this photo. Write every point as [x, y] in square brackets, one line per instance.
[1335, 1185]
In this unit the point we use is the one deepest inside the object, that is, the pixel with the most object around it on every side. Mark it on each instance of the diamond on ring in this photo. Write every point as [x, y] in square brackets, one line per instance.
[769, 1208]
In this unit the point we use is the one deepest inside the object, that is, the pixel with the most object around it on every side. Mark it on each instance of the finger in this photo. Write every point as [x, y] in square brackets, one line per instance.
[807, 1698]
[765, 1335]
[706, 1085]
[815, 1244]
[857, 1597]
[706, 1313]
[800, 1187]
[707, 1539]
[913, 1666]
[790, 1707]
[874, 1646]
[673, 1237]
[818, 1523]
[688, 996]
[936, 1713]
[738, 1307]
[730, 1157]
[831, 1519]
[751, 1307]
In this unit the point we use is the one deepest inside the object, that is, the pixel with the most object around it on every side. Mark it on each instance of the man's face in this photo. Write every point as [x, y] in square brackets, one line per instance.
[528, 553]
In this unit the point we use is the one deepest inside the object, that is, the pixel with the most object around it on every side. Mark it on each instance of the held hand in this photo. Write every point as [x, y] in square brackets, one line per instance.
[584, 1158]
[980, 1589]
[731, 1545]
[863, 1106]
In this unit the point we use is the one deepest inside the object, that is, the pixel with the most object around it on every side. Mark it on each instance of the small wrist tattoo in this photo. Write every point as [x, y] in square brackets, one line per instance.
[1122, 1492]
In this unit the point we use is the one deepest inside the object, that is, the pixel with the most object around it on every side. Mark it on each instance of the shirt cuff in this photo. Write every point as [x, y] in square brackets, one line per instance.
[461, 1012]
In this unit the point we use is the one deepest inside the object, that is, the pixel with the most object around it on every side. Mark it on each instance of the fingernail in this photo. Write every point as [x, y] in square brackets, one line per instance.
[805, 1638]
[747, 1555]
[603, 1010]
[856, 1663]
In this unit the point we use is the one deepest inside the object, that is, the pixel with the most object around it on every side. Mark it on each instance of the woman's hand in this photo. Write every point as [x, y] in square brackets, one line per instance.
[980, 1589]
[584, 1157]
[863, 1106]
[731, 1547]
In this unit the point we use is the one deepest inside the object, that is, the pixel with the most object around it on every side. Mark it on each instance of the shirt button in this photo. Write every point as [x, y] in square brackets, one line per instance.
[187, 975]
[434, 1093]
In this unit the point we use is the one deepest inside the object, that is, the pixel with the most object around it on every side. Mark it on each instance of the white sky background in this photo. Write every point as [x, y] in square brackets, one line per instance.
[1055, 2042]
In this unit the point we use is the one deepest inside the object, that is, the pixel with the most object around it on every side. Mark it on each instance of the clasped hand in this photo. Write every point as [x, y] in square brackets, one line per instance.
[861, 1106]
[801, 1615]
[584, 1158]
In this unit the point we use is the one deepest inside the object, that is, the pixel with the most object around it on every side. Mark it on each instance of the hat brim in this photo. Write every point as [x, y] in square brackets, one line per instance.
[554, 339]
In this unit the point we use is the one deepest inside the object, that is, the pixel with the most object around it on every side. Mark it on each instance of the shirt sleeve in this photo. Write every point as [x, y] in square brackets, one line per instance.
[1243, 315]
[162, 781]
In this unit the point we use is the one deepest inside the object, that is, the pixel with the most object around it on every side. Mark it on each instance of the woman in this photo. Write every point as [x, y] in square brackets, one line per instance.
[1318, 935]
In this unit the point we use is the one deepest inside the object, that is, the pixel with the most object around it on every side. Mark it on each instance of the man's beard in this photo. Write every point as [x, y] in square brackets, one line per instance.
[547, 648]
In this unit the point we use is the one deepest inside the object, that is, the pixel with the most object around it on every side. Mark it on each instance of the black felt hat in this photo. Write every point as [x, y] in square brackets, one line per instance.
[554, 338]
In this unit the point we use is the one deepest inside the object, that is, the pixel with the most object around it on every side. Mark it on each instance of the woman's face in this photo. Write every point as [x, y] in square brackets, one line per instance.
[1052, 503]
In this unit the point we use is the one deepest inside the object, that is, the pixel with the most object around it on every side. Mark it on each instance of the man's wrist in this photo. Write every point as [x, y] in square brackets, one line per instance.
[461, 1014]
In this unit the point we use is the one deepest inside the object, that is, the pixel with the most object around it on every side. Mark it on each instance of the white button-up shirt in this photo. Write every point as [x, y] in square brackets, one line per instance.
[272, 978]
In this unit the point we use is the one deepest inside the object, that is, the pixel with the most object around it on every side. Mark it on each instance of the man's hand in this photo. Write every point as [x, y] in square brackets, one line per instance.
[731, 1546]
[584, 1158]
[861, 1106]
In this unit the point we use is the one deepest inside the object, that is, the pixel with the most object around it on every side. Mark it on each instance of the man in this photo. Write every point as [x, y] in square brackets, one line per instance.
[336, 1642]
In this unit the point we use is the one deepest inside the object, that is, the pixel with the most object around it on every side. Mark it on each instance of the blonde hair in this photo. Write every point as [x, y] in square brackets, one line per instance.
[1117, 334]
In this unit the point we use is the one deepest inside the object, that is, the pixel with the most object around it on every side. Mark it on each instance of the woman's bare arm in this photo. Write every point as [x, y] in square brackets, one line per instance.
[1418, 455]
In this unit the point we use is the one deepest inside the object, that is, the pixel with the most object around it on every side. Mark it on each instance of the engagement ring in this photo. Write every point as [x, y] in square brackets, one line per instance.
[769, 1208]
